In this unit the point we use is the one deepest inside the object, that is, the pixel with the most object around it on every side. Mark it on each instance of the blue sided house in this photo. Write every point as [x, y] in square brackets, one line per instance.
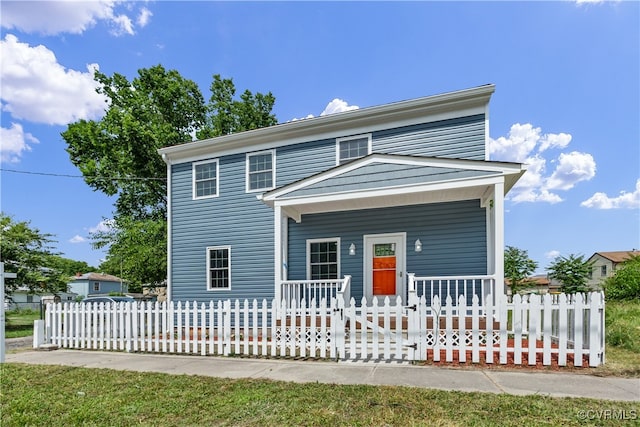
[367, 199]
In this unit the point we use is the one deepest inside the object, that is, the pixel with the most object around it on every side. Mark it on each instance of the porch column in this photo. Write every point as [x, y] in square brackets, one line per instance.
[277, 251]
[498, 232]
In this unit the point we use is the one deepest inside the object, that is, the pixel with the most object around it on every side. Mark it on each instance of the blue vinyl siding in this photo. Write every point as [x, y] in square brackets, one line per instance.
[453, 237]
[460, 138]
[236, 219]
[381, 175]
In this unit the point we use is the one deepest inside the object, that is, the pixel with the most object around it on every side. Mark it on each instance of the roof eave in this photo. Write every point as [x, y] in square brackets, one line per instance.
[420, 107]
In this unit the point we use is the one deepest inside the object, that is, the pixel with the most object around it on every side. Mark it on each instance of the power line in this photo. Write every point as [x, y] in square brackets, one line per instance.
[103, 178]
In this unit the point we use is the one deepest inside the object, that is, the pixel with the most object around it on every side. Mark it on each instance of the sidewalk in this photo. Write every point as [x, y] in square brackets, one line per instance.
[555, 384]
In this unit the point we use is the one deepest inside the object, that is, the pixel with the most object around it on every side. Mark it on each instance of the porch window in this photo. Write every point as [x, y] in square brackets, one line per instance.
[352, 148]
[261, 171]
[205, 179]
[323, 259]
[218, 268]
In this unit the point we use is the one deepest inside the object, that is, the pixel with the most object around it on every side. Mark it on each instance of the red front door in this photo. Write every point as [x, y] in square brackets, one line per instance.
[384, 269]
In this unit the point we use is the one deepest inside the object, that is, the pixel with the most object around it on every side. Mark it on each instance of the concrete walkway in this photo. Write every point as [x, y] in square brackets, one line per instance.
[557, 384]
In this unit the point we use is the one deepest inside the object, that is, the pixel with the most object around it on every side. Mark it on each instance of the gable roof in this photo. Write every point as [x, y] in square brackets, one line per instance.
[404, 113]
[380, 180]
[617, 256]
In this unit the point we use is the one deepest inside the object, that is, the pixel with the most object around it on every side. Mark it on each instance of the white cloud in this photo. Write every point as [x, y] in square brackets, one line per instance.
[144, 17]
[102, 226]
[572, 168]
[123, 25]
[553, 254]
[13, 142]
[623, 201]
[335, 106]
[77, 239]
[527, 144]
[69, 16]
[338, 106]
[37, 88]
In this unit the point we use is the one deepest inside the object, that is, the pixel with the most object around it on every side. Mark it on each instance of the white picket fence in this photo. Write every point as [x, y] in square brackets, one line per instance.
[525, 330]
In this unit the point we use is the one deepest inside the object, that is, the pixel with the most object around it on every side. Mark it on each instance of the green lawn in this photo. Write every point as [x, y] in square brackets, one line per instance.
[19, 323]
[54, 395]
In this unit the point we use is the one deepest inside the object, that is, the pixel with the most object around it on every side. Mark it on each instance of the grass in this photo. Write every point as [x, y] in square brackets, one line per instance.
[55, 395]
[622, 339]
[19, 323]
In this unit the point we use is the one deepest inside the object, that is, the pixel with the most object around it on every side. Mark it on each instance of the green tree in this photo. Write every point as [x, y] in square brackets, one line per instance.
[29, 253]
[70, 267]
[625, 283]
[118, 155]
[518, 267]
[226, 115]
[573, 272]
[130, 256]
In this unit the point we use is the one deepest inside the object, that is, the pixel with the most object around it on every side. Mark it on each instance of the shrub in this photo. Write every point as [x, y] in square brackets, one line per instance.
[625, 284]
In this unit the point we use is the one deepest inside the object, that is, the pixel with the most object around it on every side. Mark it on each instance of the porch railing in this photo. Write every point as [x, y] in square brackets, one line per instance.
[308, 290]
[454, 286]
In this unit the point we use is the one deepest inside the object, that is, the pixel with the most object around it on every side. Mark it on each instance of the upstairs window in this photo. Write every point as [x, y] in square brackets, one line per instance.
[323, 259]
[205, 179]
[261, 171]
[218, 268]
[353, 147]
[603, 270]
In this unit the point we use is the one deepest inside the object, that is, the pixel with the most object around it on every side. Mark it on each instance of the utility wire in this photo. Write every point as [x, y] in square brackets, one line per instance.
[103, 178]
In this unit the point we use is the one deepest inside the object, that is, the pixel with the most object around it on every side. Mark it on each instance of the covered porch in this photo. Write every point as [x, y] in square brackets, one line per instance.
[382, 213]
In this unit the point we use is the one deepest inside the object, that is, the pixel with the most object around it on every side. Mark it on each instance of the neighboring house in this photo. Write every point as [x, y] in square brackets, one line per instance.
[96, 284]
[24, 298]
[605, 265]
[539, 284]
[373, 193]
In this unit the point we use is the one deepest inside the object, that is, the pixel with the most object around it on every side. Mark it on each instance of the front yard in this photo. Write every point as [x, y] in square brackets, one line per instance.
[54, 395]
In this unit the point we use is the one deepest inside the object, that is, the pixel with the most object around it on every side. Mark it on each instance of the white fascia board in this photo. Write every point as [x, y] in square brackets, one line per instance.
[414, 189]
[445, 162]
[421, 110]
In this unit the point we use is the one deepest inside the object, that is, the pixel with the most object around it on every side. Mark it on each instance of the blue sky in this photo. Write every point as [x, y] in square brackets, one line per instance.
[567, 98]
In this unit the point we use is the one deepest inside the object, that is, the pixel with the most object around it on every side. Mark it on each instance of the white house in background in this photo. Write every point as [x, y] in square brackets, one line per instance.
[96, 284]
[605, 265]
[23, 298]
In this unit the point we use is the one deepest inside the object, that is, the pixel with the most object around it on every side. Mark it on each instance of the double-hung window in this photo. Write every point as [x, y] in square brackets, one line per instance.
[352, 148]
[218, 268]
[261, 171]
[323, 259]
[205, 179]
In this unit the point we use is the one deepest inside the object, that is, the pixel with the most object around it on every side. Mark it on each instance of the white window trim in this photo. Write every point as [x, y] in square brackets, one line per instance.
[328, 239]
[193, 179]
[209, 288]
[273, 171]
[349, 138]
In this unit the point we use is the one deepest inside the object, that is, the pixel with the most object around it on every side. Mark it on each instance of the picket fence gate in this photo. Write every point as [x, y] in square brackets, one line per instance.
[527, 330]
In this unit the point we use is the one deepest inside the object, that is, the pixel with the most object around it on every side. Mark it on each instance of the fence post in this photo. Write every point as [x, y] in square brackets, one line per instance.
[413, 323]
[596, 328]
[38, 333]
